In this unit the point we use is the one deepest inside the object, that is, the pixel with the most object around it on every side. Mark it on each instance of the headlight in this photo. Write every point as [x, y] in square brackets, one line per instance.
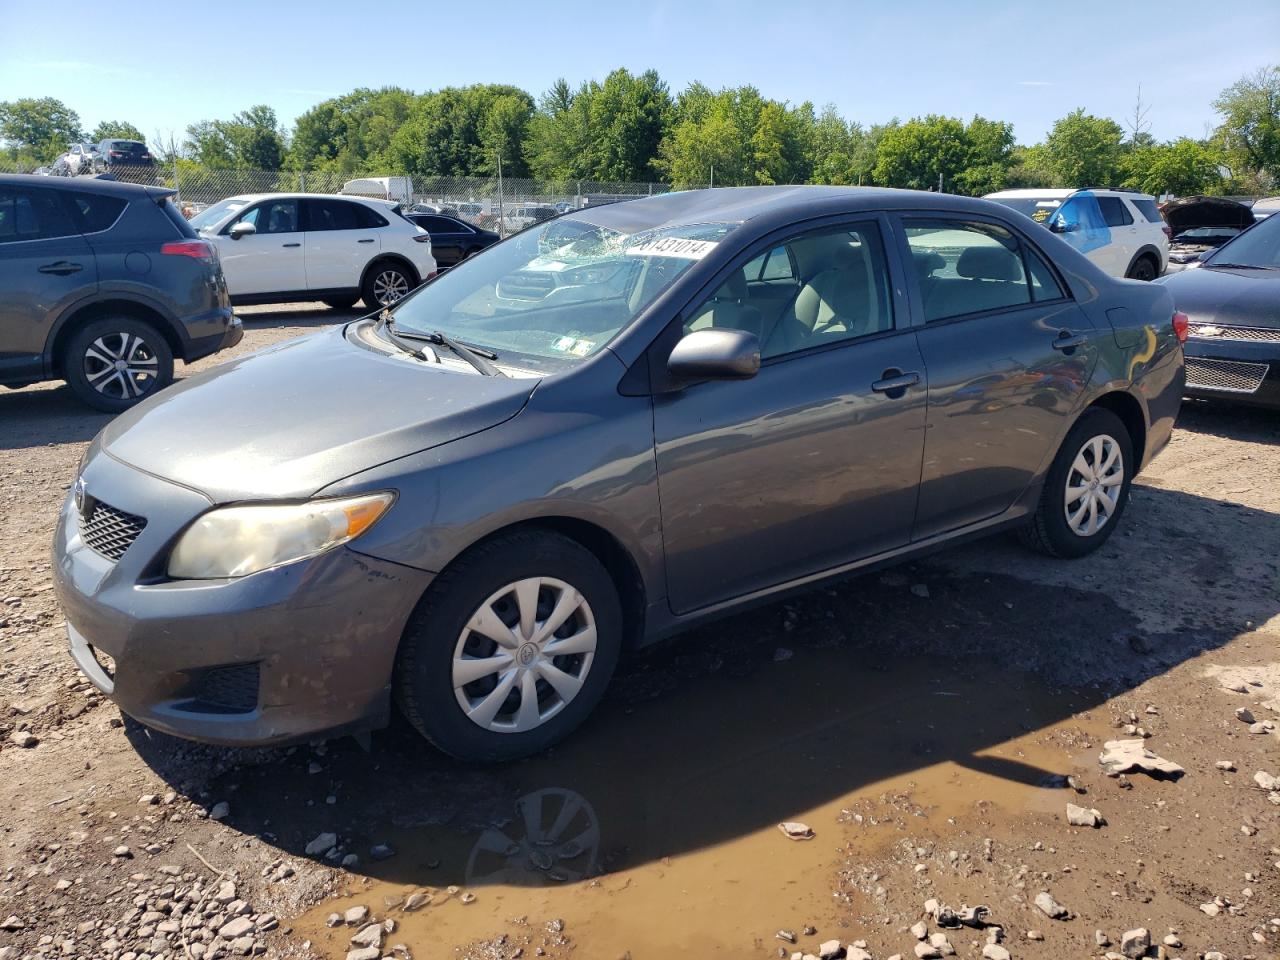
[236, 541]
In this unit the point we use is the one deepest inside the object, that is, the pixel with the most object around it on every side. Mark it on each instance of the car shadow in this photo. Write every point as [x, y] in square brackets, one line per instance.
[44, 416]
[740, 724]
[1232, 420]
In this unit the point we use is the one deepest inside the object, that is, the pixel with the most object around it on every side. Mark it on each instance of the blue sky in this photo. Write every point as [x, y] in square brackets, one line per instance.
[164, 65]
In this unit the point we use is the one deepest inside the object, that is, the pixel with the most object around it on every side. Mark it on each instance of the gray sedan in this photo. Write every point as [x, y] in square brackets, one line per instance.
[607, 428]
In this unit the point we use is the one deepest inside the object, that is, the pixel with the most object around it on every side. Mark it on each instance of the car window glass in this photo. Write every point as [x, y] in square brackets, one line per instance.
[778, 265]
[1044, 285]
[367, 218]
[437, 225]
[332, 215]
[272, 216]
[843, 294]
[964, 268]
[32, 215]
[97, 211]
[1148, 209]
[1114, 213]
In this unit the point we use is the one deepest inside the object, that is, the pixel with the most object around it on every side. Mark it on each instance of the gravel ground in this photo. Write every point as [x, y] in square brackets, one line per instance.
[922, 721]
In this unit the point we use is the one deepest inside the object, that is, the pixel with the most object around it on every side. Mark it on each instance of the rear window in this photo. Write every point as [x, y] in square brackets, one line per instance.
[176, 218]
[1147, 207]
[97, 212]
[1114, 212]
[131, 147]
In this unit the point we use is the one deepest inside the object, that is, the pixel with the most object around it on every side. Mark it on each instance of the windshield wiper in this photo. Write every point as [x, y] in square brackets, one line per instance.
[473, 355]
[1239, 266]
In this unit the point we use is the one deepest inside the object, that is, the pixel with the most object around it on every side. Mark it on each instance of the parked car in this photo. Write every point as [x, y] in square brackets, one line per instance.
[1233, 306]
[128, 160]
[452, 239]
[103, 284]
[458, 502]
[1201, 224]
[1119, 230]
[1265, 207]
[80, 159]
[284, 247]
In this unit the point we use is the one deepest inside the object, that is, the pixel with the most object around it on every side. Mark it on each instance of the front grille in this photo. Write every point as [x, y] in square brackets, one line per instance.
[110, 531]
[1229, 376]
[1246, 334]
[229, 689]
[526, 285]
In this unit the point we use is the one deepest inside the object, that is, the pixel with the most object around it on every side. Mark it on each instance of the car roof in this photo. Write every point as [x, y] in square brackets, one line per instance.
[1061, 193]
[118, 188]
[255, 197]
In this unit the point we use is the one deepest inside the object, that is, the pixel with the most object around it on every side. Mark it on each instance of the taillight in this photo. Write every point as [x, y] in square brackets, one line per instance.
[115, 153]
[1168, 233]
[196, 249]
[431, 275]
[1181, 323]
[422, 237]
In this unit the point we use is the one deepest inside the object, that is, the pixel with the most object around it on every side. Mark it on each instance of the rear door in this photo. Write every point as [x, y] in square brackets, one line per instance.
[269, 261]
[449, 237]
[46, 266]
[341, 238]
[1124, 232]
[1009, 354]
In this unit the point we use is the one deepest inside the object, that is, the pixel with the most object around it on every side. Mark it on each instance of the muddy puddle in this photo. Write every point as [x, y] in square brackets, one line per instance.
[654, 832]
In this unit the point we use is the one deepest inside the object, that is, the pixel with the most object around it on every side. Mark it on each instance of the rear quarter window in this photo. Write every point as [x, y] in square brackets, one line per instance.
[175, 217]
[1148, 209]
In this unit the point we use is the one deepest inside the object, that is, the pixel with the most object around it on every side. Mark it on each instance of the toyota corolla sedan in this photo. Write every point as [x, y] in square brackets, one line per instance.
[609, 427]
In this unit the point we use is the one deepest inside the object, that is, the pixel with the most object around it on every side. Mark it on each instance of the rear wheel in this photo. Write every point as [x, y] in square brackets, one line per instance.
[1086, 489]
[385, 283]
[1144, 268]
[115, 362]
[511, 648]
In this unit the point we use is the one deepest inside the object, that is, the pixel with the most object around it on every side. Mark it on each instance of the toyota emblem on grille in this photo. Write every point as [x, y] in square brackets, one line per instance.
[81, 501]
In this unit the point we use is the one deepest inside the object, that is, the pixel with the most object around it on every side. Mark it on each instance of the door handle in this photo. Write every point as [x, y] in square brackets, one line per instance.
[290, 244]
[61, 268]
[894, 383]
[1068, 341]
[366, 240]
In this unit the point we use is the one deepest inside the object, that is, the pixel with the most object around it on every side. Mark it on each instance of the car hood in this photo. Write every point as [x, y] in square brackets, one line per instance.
[1190, 213]
[1228, 296]
[286, 421]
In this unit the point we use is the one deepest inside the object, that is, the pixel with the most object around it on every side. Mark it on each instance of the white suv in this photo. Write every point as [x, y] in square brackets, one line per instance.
[286, 247]
[1122, 232]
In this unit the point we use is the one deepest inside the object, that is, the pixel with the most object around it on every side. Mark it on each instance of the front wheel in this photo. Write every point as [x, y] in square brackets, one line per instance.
[386, 283]
[1086, 489]
[115, 362]
[511, 648]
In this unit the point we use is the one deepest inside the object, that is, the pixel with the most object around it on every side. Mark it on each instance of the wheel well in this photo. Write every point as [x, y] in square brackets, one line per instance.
[1130, 413]
[390, 258]
[110, 308]
[606, 548]
[1150, 253]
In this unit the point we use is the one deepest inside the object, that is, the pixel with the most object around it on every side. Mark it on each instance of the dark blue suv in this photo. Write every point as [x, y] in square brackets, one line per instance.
[103, 284]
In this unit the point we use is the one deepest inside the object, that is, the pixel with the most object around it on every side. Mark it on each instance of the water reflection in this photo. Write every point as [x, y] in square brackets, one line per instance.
[554, 836]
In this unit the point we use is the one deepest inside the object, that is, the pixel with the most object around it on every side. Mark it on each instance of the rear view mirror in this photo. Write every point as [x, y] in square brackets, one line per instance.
[242, 229]
[715, 355]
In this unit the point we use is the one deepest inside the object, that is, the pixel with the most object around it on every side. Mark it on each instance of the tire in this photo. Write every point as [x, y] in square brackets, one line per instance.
[91, 363]
[340, 303]
[1144, 268]
[385, 282]
[1097, 433]
[439, 637]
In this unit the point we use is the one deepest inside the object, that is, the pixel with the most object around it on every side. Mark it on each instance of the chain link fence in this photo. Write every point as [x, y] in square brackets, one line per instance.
[502, 204]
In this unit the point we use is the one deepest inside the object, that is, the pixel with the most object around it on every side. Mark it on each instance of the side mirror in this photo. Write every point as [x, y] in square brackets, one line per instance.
[715, 355]
[1058, 225]
[242, 229]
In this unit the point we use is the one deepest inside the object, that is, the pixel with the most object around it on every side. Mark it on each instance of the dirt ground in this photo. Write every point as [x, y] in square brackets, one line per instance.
[923, 722]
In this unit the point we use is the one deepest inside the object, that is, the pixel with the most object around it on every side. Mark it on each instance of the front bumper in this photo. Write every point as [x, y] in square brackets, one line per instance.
[278, 656]
[1236, 370]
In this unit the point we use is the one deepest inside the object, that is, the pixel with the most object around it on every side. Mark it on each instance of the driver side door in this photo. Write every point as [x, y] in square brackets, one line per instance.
[270, 260]
[815, 461]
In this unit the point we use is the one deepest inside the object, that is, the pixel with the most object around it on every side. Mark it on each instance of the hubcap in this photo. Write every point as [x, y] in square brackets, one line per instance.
[121, 365]
[524, 655]
[389, 286]
[554, 836]
[1093, 486]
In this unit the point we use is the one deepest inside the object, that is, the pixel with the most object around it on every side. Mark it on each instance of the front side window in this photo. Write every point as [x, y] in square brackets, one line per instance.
[558, 292]
[210, 217]
[271, 216]
[967, 267]
[843, 293]
[32, 215]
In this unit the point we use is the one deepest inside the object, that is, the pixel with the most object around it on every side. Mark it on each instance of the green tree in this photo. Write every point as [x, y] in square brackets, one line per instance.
[922, 150]
[1083, 150]
[44, 126]
[250, 140]
[1250, 128]
[443, 135]
[1184, 167]
[351, 133]
[831, 148]
[116, 130]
